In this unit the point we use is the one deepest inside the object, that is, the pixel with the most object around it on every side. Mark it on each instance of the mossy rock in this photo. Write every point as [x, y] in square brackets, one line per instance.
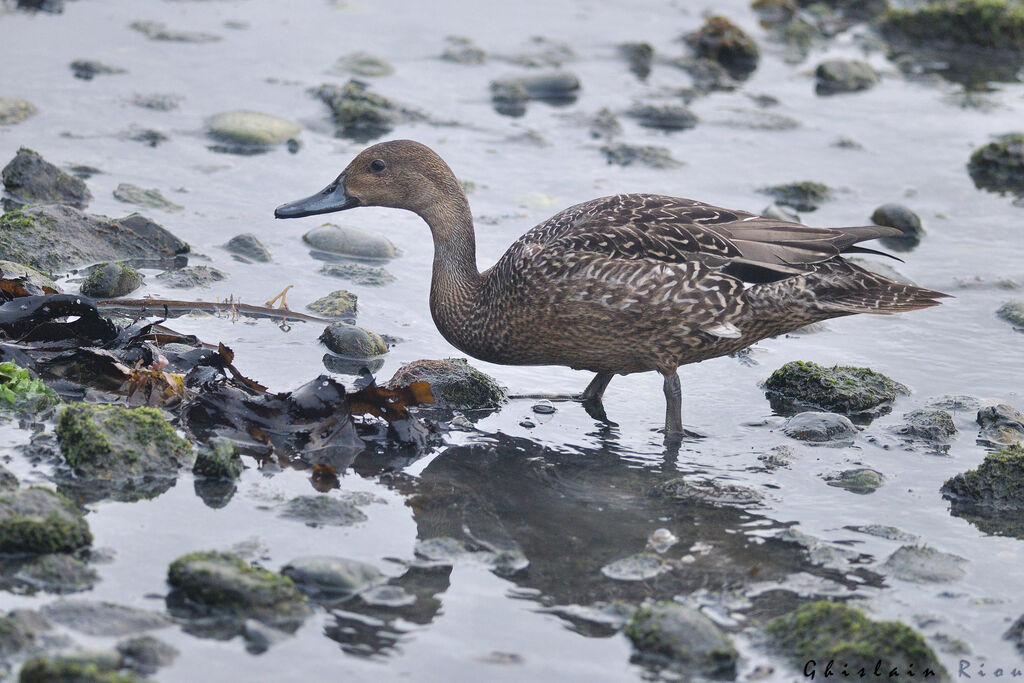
[722, 41]
[21, 392]
[224, 583]
[14, 110]
[109, 280]
[806, 195]
[19, 630]
[34, 279]
[111, 442]
[822, 631]
[861, 480]
[995, 487]
[681, 637]
[996, 24]
[220, 461]
[52, 573]
[932, 425]
[74, 670]
[1013, 313]
[842, 389]
[1001, 425]
[350, 341]
[340, 303]
[363, 64]
[455, 384]
[37, 520]
[362, 115]
[653, 156]
[999, 165]
[251, 129]
[844, 75]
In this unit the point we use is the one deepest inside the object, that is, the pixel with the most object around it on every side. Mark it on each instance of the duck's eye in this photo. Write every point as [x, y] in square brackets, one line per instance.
[377, 166]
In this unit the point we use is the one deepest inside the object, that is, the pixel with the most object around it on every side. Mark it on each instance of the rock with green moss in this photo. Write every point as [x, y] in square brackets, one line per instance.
[251, 130]
[148, 198]
[128, 453]
[802, 196]
[653, 156]
[1013, 313]
[109, 280]
[994, 24]
[220, 461]
[21, 392]
[723, 42]
[35, 281]
[37, 520]
[223, 584]
[667, 634]
[340, 303]
[931, 425]
[14, 110]
[362, 115]
[191, 276]
[50, 573]
[844, 75]
[818, 427]
[455, 384]
[33, 180]
[991, 496]
[1001, 425]
[999, 165]
[145, 654]
[860, 480]
[818, 632]
[363, 64]
[86, 667]
[924, 564]
[20, 631]
[57, 237]
[842, 389]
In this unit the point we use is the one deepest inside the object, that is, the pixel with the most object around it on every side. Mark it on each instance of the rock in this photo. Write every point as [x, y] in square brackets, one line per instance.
[387, 596]
[20, 630]
[14, 110]
[131, 452]
[151, 199]
[56, 238]
[361, 115]
[363, 64]
[889, 533]
[218, 584]
[157, 102]
[109, 280]
[353, 342]
[639, 567]
[841, 388]
[668, 117]
[33, 280]
[145, 654]
[999, 165]
[1001, 425]
[780, 213]
[902, 218]
[51, 573]
[682, 638]
[757, 119]
[103, 618]
[844, 75]
[87, 69]
[639, 57]
[220, 461]
[994, 488]
[923, 564]
[350, 242]
[819, 427]
[323, 510]
[509, 95]
[932, 425]
[708, 492]
[1013, 313]
[23, 393]
[32, 179]
[322, 576]
[605, 125]
[860, 480]
[8, 481]
[259, 637]
[816, 633]
[155, 30]
[462, 50]
[455, 384]
[802, 196]
[337, 304]
[772, 12]
[543, 52]
[727, 44]
[360, 274]
[247, 248]
[708, 76]
[622, 154]
[250, 130]
[191, 276]
[146, 136]
[37, 520]
[994, 24]
[82, 668]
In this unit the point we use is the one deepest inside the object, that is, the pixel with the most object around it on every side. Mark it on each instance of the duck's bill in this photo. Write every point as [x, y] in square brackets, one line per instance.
[331, 198]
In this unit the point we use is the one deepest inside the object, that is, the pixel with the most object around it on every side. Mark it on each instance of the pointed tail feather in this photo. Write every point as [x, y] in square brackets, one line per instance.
[851, 289]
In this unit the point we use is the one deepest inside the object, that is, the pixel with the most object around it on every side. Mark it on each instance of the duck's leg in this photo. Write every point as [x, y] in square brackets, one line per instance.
[673, 404]
[591, 396]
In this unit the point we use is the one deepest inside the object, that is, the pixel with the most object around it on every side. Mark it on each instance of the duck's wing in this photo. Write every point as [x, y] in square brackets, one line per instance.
[674, 230]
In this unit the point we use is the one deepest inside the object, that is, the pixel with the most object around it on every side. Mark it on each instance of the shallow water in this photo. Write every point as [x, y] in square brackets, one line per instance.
[582, 503]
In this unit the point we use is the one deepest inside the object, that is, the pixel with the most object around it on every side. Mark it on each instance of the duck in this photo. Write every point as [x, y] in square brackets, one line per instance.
[620, 284]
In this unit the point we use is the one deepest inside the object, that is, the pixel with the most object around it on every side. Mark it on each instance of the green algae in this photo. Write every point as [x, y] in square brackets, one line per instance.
[221, 461]
[997, 484]
[71, 670]
[841, 388]
[996, 24]
[37, 520]
[20, 391]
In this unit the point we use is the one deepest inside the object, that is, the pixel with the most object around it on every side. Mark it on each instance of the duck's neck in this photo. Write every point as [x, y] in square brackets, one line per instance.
[456, 283]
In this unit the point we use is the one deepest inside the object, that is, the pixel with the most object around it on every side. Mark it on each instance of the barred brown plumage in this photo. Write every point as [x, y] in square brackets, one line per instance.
[621, 284]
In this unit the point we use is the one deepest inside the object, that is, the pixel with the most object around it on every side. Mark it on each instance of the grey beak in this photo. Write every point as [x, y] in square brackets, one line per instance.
[331, 198]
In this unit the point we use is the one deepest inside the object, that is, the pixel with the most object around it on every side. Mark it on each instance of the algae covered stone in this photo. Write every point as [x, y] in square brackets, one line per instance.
[89, 667]
[1013, 313]
[250, 128]
[454, 383]
[111, 442]
[806, 195]
[149, 198]
[14, 110]
[362, 115]
[817, 632]
[20, 391]
[109, 280]
[727, 44]
[997, 24]
[842, 389]
[999, 165]
[37, 520]
[220, 461]
[844, 75]
[220, 583]
[340, 303]
[681, 637]
[996, 486]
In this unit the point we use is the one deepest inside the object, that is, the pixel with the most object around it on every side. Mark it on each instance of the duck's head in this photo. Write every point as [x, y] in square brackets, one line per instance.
[401, 174]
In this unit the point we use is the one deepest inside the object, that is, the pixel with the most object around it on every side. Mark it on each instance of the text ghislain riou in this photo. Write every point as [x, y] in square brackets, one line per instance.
[965, 669]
